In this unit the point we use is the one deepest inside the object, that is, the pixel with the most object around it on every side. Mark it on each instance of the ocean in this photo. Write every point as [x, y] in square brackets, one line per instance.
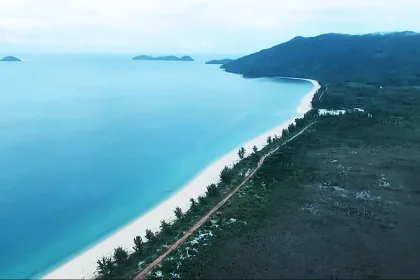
[88, 143]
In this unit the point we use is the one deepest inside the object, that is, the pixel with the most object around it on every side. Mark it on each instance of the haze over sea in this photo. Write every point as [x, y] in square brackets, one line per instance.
[90, 142]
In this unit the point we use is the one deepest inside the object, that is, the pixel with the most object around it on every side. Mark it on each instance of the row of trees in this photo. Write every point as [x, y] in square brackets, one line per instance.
[242, 151]
[107, 266]
[281, 165]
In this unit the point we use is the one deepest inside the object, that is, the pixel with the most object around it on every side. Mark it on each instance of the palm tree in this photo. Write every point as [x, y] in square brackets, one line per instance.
[105, 267]
[102, 269]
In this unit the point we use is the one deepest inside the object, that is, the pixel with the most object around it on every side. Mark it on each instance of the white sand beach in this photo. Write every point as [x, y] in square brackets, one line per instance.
[84, 265]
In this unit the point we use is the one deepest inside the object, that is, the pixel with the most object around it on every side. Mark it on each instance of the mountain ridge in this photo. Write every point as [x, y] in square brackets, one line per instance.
[389, 58]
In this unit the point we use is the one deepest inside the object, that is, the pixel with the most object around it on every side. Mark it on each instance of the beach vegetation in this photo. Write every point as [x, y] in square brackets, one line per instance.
[241, 152]
[120, 255]
[291, 127]
[150, 235]
[165, 227]
[178, 213]
[105, 267]
[212, 190]
[254, 149]
[193, 205]
[138, 245]
[202, 200]
[226, 175]
[255, 156]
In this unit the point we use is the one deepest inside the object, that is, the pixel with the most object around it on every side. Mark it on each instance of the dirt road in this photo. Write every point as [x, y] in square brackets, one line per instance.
[211, 212]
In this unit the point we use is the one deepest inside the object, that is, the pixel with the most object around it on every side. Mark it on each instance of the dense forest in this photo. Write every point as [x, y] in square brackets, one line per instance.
[387, 59]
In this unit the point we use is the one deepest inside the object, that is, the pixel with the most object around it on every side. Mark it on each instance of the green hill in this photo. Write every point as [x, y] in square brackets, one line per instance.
[388, 58]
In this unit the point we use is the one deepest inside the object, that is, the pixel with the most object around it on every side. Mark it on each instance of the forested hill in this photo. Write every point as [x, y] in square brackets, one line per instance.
[388, 58]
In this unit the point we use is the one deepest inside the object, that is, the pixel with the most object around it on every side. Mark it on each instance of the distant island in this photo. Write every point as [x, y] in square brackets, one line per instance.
[10, 59]
[164, 58]
[389, 58]
[220, 61]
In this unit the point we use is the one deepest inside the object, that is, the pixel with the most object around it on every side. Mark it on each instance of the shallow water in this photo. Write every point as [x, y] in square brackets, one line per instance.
[90, 142]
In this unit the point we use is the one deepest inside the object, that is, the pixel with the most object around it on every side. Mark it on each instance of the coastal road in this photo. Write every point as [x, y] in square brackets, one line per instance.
[212, 211]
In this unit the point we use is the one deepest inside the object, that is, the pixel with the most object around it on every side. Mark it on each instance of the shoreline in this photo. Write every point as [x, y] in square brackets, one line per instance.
[84, 264]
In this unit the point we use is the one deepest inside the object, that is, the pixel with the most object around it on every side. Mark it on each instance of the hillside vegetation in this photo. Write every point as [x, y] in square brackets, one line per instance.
[391, 58]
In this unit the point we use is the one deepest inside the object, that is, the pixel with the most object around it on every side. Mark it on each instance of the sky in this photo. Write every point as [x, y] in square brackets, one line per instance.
[189, 26]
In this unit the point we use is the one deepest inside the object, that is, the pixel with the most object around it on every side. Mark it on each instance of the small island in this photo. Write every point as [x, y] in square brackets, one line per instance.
[220, 61]
[10, 59]
[164, 58]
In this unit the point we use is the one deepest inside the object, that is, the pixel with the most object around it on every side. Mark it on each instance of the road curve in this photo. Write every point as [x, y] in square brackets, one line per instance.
[211, 212]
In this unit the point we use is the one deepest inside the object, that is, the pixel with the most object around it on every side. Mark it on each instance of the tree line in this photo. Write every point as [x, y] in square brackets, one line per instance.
[114, 266]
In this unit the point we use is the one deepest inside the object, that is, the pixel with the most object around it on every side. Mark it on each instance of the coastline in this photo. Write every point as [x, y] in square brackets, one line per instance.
[84, 264]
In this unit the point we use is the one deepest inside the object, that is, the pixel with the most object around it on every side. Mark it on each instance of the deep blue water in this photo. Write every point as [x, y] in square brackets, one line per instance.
[90, 142]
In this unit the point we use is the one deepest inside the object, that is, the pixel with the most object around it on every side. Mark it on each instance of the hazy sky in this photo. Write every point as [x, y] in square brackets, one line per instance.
[189, 26]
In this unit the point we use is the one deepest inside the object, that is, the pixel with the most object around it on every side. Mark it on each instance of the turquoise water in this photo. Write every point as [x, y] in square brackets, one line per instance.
[90, 142]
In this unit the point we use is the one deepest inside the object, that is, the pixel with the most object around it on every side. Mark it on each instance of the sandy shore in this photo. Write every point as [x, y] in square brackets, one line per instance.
[84, 265]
